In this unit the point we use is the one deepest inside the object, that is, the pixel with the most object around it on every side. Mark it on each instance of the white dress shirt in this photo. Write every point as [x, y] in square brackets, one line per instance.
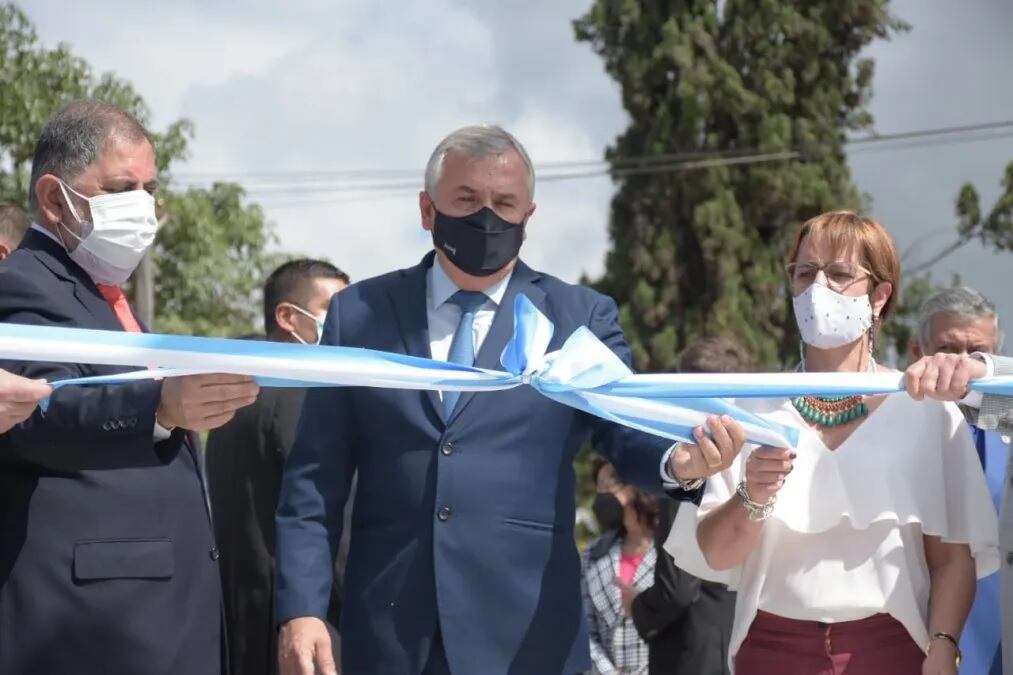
[844, 541]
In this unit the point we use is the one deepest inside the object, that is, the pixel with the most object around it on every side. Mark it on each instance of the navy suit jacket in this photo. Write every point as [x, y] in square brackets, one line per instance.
[107, 562]
[464, 525]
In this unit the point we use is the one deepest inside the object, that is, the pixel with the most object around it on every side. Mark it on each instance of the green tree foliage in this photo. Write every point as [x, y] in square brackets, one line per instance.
[993, 230]
[700, 251]
[211, 254]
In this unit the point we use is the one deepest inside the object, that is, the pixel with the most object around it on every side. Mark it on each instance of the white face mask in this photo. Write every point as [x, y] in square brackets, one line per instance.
[827, 319]
[121, 230]
[320, 321]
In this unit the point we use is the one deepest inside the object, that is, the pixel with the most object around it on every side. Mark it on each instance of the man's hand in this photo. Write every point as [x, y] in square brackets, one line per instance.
[942, 376]
[766, 470]
[18, 398]
[304, 643]
[200, 402]
[629, 594]
[711, 454]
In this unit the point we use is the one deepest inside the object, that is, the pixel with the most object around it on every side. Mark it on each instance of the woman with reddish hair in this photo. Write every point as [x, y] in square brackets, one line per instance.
[855, 553]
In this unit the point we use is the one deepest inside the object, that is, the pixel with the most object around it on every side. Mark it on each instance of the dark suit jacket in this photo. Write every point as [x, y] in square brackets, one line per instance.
[107, 562]
[244, 463]
[686, 622]
[465, 525]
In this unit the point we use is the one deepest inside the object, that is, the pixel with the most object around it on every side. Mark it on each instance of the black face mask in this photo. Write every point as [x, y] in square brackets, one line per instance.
[479, 244]
[607, 511]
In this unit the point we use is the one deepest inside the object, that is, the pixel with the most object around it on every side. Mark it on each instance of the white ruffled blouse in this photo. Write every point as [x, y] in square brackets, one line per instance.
[844, 541]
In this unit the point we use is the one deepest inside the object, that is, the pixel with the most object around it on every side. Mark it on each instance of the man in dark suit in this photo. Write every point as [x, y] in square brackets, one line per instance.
[462, 553]
[244, 461]
[107, 559]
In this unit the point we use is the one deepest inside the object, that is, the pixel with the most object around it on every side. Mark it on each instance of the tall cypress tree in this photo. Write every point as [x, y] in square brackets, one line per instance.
[699, 250]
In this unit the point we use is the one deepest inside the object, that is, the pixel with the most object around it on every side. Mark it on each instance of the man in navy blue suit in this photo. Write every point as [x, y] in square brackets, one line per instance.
[107, 559]
[462, 554]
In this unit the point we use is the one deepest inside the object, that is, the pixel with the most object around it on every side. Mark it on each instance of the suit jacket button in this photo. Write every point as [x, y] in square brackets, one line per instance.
[215, 555]
[444, 513]
[447, 449]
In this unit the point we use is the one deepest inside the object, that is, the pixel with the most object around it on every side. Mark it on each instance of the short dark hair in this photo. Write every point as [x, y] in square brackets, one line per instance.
[72, 139]
[14, 222]
[715, 355]
[292, 282]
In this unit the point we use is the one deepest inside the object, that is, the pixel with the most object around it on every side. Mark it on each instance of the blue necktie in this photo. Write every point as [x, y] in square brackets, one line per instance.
[462, 348]
[979, 444]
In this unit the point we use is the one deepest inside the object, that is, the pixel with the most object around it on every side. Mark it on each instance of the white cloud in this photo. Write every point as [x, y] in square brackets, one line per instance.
[358, 84]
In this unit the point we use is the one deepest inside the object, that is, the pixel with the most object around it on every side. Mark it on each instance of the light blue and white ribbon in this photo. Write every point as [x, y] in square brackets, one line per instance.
[584, 373]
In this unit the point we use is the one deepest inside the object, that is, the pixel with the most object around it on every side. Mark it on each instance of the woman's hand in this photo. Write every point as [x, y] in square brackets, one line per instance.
[766, 470]
[941, 659]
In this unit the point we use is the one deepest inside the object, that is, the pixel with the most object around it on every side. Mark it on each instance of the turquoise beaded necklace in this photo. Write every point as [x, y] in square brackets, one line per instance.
[831, 411]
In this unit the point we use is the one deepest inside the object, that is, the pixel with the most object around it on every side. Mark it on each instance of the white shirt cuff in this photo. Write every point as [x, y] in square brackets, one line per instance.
[667, 481]
[974, 398]
[160, 433]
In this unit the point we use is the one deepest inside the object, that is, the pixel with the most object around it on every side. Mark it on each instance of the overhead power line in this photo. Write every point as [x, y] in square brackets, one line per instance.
[371, 184]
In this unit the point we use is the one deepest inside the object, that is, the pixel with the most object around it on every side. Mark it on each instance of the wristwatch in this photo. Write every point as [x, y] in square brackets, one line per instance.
[687, 484]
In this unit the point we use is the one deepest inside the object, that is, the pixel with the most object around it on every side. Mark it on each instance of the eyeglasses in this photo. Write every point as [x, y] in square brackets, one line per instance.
[839, 275]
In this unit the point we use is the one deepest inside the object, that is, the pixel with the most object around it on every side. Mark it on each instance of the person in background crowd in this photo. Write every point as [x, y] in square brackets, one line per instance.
[856, 552]
[945, 377]
[244, 463]
[620, 562]
[19, 397]
[14, 223]
[107, 558]
[686, 621]
[961, 321]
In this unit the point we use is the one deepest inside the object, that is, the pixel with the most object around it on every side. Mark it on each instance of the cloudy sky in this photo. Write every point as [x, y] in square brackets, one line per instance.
[310, 89]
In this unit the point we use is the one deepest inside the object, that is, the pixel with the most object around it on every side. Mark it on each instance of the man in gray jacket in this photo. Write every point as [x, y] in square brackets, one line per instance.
[945, 377]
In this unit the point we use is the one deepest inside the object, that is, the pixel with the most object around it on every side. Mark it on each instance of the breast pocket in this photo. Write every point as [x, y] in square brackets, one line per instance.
[100, 559]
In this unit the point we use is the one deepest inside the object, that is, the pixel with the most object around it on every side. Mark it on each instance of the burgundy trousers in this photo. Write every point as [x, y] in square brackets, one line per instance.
[878, 645]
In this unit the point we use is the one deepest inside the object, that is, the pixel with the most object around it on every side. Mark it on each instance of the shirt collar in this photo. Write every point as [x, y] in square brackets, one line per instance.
[39, 228]
[441, 288]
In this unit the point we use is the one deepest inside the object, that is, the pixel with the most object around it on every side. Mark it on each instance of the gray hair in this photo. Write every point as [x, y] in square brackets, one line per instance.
[960, 301]
[476, 141]
[71, 140]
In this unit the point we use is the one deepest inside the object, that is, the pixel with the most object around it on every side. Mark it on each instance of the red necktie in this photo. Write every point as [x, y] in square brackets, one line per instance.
[121, 308]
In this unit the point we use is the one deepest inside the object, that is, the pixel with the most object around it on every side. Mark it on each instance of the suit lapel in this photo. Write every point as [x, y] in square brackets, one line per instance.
[408, 296]
[54, 257]
[524, 280]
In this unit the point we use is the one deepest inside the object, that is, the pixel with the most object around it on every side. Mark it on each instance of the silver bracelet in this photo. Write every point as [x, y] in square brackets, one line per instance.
[757, 511]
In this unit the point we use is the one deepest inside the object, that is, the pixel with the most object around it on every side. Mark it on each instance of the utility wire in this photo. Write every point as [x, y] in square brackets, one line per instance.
[384, 179]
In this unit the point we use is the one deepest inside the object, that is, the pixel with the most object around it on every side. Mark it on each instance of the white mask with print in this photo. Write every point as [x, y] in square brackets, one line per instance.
[826, 319]
[121, 230]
